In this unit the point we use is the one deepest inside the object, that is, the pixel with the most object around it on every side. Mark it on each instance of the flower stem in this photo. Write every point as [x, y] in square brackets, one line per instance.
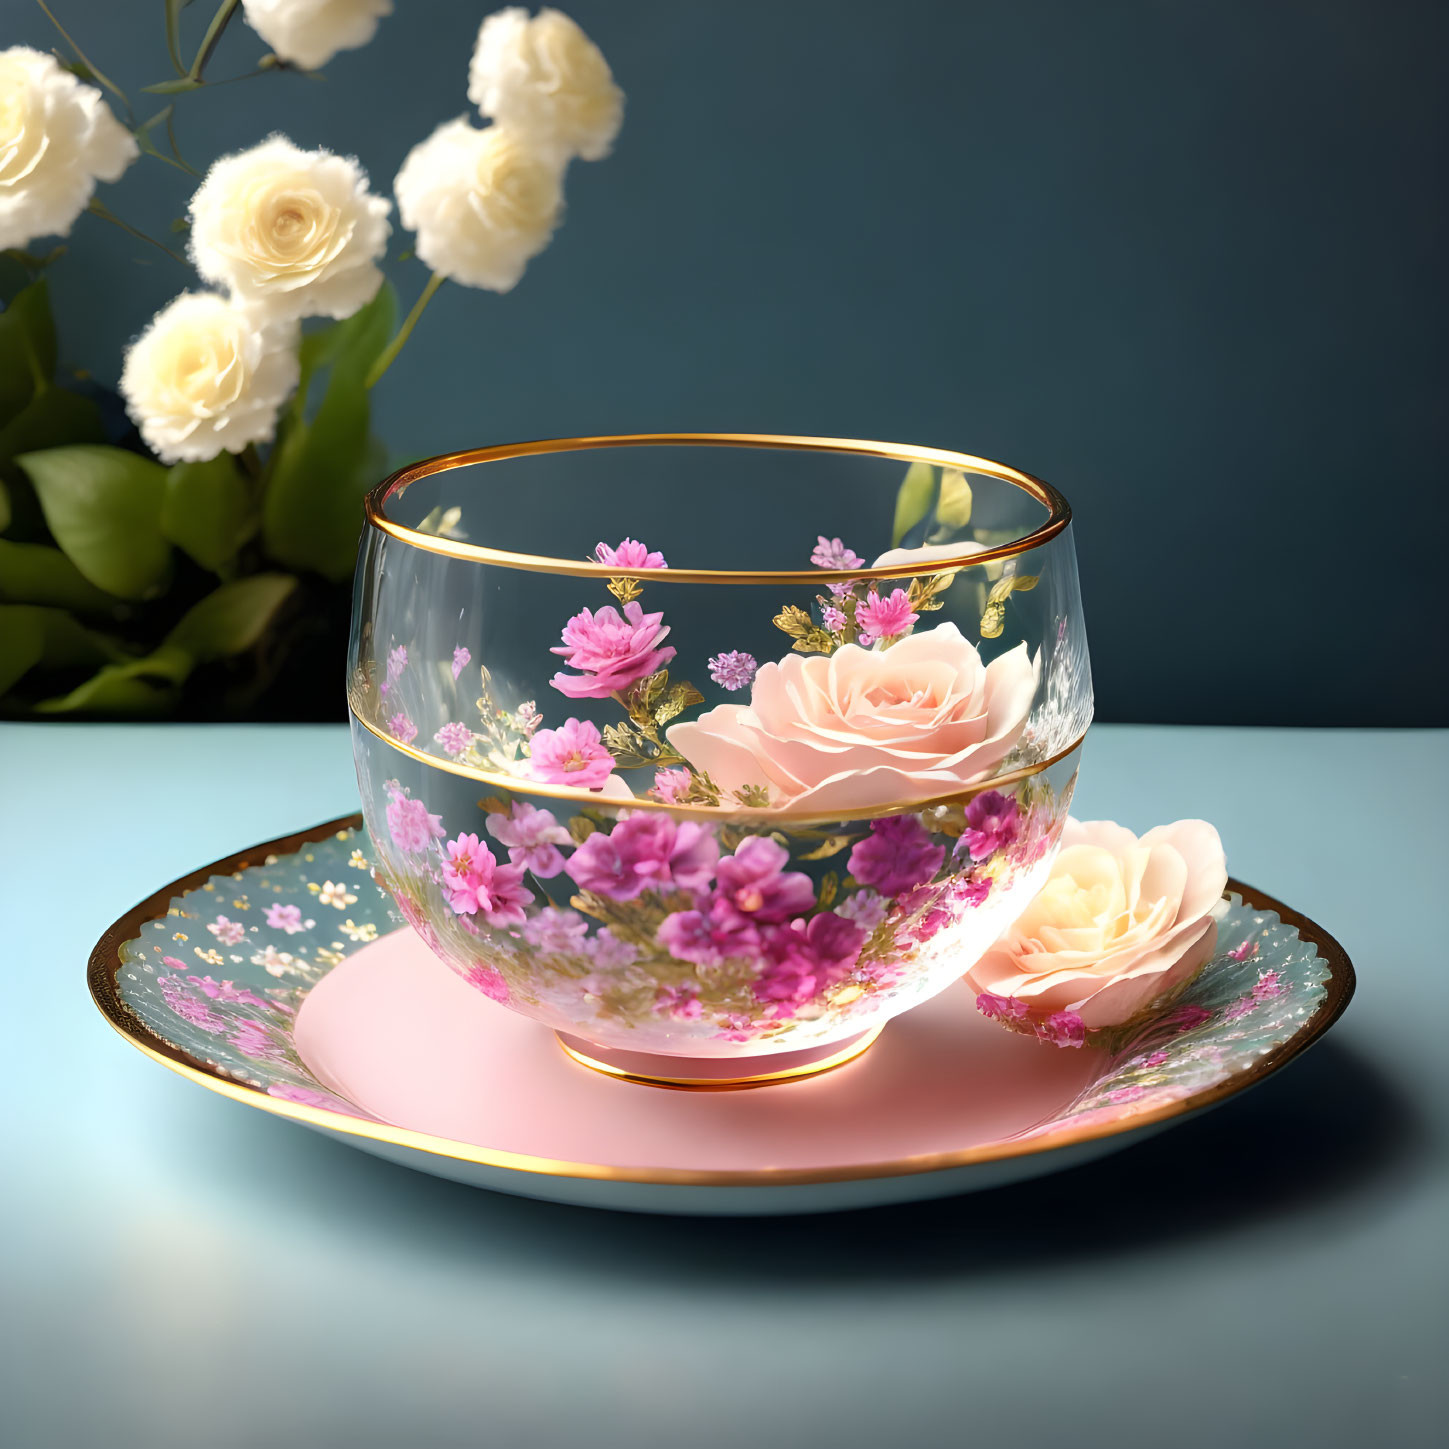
[389, 353]
[209, 41]
[80, 55]
[101, 210]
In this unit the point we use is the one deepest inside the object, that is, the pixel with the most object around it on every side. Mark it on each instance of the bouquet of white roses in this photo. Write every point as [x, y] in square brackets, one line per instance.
[163, 568]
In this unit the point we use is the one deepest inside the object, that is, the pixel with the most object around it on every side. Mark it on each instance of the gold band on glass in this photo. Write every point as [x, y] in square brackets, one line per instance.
[1059, 512]
[847, 1053]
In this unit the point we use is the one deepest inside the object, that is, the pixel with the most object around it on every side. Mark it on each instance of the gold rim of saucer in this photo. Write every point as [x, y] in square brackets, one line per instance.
[1059, 511]
[105, 964]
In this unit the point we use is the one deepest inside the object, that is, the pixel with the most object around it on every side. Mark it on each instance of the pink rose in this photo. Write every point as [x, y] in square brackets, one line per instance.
[1119, 923]
[866, 727]
[611, 652]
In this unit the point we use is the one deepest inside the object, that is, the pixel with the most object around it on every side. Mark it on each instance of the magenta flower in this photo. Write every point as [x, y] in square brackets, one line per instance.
[1127, 1094]
[969, 890]
[753, 882]
[397, 661]
[227, 991]
[669, 785]
[527, 717]
[1063, 1029]
[573, 754]
[1245, 952]
[645, 852]
[288, 919]
[992, 822]
[1236, 1010]
[489, 981]
[630, 554]
[608, 952]
[228, 933]
[455, 737]
[403, 729]
[832, 618]
[462, 657]
[555, 932]
[187, 1007]
[896, 855]
[253, 1040]
[1184, 1018]
[532, 837]
[1270, 984]
[681, 1002]
[1006, 1009]
[830, 553]
[1154, 1059]
[734, 670]
[610, 652]
[476, 884]
[867, 908]
[710, 936]
[805, 959]
[411, 825]
[887, 618]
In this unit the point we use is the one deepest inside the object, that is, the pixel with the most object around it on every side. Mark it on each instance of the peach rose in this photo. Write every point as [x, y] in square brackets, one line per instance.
[867, 727]
[1119, 923]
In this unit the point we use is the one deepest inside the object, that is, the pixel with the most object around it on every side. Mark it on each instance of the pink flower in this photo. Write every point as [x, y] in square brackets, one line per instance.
[227, 932]
[1238, 1009]
[608, 952]
[1245, 952]
[737, 1027]
[896, 855]
[610, 652]
[830, 553]
[288, 919]
[805, 959]
[864, 728]
[832, 618]
[462, 657]
[1127, 1094]
[645, 852]
[630, 554]
[573, 754]
[927, 905]
[412, 827]
[253, 1040]
[455, 737]
[1063, 1029]
[489, 981]
[476, 884]
[1119, 923]
[867, 908]
[969, 890]
[733, 670]
[710, 936]
[1184, 1018]
[397, 661]
[992, 822]
[187, 1007]
[403, 729]
[527, 717]
[555, 932]
[681, 1002]
[309, 1098]
[669, 785]
[532, 837]
[1154, 1059]
[1002, 1008]
[754, 884]
[887, 618]
[227, 991]
[1270, 984]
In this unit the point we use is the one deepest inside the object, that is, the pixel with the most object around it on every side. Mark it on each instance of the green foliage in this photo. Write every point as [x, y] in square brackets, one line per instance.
[27, 349]
[30, 635]
[208, 511]
[321, 469]
[916, 498]
[34, 573]
[103, 505]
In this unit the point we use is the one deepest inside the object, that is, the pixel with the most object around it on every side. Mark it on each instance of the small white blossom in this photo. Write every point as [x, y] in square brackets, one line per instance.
[310, 32]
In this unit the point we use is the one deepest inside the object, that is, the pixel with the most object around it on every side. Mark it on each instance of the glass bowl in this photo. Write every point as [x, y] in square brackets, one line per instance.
[713, 752]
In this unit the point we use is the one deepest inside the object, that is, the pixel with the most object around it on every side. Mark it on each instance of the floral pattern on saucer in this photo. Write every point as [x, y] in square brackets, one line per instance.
[223, 973]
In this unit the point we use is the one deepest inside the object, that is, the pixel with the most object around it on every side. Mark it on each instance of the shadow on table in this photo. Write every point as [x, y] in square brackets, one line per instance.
[1329, 1134]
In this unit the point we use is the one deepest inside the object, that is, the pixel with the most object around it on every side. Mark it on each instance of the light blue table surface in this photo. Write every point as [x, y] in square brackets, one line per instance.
[179, 1270]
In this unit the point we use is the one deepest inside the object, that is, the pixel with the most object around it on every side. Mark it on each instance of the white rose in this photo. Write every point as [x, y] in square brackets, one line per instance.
[310, 32]
[57, 139]
[208, 375]
[296, 233]
[547, 80]
[482, 202]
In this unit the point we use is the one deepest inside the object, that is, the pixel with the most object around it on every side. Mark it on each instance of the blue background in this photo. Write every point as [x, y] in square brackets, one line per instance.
[1183, 260]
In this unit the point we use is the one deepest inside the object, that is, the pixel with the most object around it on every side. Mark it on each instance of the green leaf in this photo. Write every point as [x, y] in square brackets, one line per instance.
[913, 502]
[231, 619]
[313, 510]
[174, 87]
[173, 33]
[104, 507]
[148, 686]
[4, 506]
[208, 511]
[48, 637]
[27, 348]
[51, 419]
[32, 573]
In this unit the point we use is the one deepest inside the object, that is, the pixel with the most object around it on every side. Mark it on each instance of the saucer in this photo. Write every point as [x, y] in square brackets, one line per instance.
[280, 977]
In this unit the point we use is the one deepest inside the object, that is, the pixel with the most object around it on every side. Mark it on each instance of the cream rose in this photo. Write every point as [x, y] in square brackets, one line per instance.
[1119, 923]
[482, 202]
[928, 553]
[295, 233]
[206, 376]
[546, 79]
[310, 32]
[867, 727]
[57, 139]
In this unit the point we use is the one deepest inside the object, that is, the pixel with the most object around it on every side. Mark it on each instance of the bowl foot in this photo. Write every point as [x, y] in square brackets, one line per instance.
[715, 1074]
